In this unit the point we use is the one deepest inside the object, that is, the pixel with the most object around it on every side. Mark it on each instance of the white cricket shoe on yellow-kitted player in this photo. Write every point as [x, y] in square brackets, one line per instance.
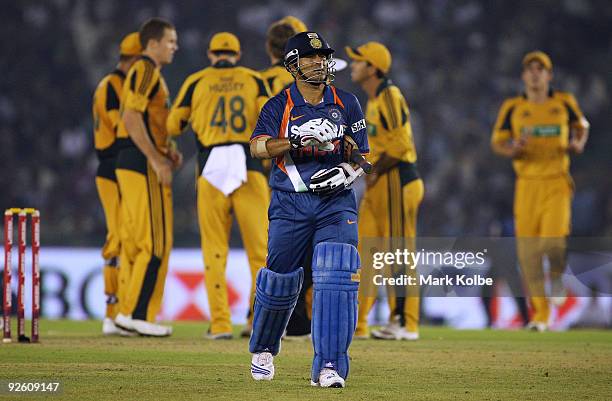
[394, 331]
[149, 329]
[539, 327]
[142, 327]
[329, 378]
[109, 328]
[124, 322]
[262, 366]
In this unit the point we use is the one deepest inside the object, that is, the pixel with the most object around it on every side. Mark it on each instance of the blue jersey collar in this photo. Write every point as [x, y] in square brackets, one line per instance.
[298, 99]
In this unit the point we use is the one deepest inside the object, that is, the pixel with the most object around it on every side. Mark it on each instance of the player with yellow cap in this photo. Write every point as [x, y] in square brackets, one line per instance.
[277, 77]
[394, 190]
[539, 130]
[297, 24]
[106, 106]
[222, 103]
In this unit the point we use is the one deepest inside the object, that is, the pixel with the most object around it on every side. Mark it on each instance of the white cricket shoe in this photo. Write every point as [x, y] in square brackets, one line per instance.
[404, 334]
[388, 331]
[393, 331]
[537, 326]
[148, 329]
[262, 366]
[124, 322]
[329, 378]
[142, 327]
[109, 328]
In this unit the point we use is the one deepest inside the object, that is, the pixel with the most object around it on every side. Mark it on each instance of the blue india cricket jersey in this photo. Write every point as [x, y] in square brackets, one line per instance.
[291, 172]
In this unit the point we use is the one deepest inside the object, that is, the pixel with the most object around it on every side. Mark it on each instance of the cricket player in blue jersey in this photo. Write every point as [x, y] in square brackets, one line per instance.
[312, 131]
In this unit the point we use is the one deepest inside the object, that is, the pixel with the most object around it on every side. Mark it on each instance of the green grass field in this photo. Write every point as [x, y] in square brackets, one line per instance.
[444, 365]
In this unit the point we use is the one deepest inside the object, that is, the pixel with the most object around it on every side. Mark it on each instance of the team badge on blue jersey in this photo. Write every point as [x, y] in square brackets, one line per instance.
[334, 114]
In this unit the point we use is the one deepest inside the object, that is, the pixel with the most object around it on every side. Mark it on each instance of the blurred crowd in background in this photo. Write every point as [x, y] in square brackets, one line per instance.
[455, 62]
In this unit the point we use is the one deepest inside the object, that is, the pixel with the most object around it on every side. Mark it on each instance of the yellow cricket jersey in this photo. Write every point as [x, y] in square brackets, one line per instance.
[277, 77]
[146, 92]
[222, 104]
[546, 128]
[106, 115]
[388, 122]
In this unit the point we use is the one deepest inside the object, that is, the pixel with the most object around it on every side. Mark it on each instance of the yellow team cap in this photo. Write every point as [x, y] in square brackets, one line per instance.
[374, 53]
[538, 56]
[130, 45]
[297, 24]
[224, 42]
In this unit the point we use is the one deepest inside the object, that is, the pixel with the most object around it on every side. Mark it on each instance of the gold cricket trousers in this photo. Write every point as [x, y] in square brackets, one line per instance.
[542, 215]
[389, 210]
[108, 192]
[249, 203]
[146, 236]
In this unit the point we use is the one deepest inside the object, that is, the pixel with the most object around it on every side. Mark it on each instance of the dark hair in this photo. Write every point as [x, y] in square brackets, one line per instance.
[123, 57]
[224, 53]
[153, 29]
[379, 73]
[278, 35]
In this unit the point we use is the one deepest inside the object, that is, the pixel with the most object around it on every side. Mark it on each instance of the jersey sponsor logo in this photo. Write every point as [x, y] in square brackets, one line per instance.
[293, 118]
[359, 125]
[555, 111]
[542, 131]
[339, 129]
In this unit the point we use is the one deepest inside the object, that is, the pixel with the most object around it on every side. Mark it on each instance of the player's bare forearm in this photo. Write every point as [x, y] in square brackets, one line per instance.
[268, 148]
[509, 149]
[501, 149]
[384, 164]
[580, 135]
[137, 131]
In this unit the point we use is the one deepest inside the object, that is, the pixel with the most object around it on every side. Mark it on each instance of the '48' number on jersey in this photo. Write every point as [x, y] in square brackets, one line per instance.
[234, 116]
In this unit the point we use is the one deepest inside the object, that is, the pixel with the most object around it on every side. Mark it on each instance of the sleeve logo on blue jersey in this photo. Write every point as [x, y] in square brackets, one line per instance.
[358, 126]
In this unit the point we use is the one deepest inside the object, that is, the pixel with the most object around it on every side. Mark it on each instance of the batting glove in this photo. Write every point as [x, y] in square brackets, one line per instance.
[327, 182]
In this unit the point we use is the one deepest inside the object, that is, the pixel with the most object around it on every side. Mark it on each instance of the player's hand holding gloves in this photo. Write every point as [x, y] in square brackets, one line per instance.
[329, 181]
[317, 132]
